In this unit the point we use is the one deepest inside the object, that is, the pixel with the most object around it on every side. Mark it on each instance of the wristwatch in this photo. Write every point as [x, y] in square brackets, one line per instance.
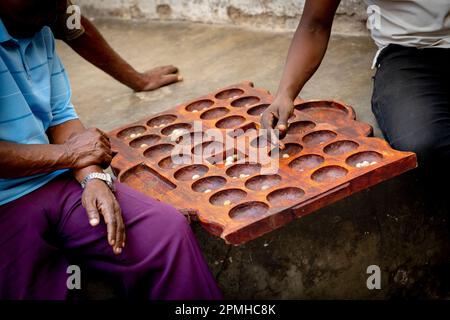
[101, 176]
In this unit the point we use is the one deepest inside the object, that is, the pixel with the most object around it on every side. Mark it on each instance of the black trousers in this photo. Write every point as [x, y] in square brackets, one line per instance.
[411, 101]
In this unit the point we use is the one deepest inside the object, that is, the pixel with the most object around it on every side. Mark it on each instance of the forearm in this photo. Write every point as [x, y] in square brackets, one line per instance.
[21, 160]
[94, 48]
[59, 135]
[299, 68]
[307, 48]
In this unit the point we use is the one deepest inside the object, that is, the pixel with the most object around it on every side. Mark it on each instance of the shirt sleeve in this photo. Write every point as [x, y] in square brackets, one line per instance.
[61, 29]
[61, 93]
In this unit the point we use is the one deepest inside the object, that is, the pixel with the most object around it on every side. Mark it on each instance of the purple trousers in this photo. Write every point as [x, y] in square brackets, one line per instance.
[42, 230]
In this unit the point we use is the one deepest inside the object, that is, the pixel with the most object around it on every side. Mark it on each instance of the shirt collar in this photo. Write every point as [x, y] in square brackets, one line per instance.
[5, 37]
[4, 34]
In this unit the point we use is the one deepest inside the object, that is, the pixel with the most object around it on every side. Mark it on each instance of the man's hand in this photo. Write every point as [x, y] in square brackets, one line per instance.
[158, 77]
[276, 116]
[98, 200]
[91, 147]
[93, 47]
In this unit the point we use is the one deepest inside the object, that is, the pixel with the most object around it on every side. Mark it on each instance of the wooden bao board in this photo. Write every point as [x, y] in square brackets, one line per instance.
[327, 156]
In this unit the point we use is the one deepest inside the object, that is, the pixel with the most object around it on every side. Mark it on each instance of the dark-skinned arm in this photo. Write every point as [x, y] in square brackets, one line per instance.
[22, 160]
[83, 151]
[80, 151]
[61, 134]
[93, 47]
[306, 52]
[97, 198]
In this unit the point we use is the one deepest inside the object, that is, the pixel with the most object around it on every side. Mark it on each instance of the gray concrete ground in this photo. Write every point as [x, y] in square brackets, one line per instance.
[324, 255]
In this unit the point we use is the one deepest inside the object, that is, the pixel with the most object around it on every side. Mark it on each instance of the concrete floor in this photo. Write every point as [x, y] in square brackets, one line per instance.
[324, 255]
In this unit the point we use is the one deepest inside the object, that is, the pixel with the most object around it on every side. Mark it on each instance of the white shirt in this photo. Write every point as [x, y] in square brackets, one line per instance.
[410, 23]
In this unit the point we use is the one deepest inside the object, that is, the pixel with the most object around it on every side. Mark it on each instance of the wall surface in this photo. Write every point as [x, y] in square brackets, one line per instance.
[266, 14]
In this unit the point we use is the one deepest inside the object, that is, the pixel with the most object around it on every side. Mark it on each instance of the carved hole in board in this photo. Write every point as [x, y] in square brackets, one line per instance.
[167, 131]
[329, 174]
[214, 113]
[208, 148]
[230, 94]
[145, 141]
[323, 111]
[290, 149]
[319, 137]
[258, 110]
[158, 150]
[246, 169]
[245, 102]
[286, 196]
[300, 127]
[199, 105]
[249, 210]
[190, 173]
[260, 142]
[131, 132]
[209, 184]
[230, 122]
[246, 129]
[263, 182]
[306, 162]
[172, 162]
[162, 120]
[228, 157]
[364, 159]
[340, 147]
[228, 197]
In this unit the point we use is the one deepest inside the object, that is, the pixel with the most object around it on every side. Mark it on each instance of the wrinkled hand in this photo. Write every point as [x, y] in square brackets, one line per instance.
[98, 200]
[92, 147]
[276, 116]
[159, 77]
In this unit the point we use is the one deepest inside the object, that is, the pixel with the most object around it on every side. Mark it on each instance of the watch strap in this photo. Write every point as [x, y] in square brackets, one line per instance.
[105, 177]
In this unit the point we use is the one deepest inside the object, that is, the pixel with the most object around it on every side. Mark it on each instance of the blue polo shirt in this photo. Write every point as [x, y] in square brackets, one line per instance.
[34, 96]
